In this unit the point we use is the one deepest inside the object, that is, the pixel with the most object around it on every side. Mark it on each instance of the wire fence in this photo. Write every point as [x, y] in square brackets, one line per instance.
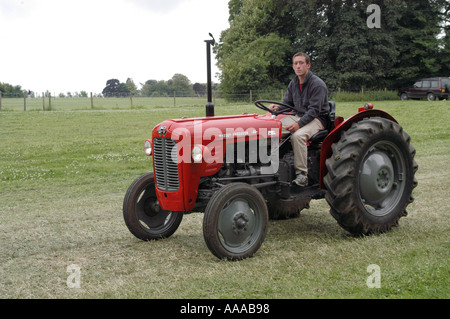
[47, 102]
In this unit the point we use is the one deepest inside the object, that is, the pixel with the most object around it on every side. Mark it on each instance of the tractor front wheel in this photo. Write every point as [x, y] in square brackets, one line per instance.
[235, 221]
[371, 176]
[142, 214]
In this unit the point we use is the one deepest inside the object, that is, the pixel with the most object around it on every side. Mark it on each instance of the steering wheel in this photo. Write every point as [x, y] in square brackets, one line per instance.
[261, 105]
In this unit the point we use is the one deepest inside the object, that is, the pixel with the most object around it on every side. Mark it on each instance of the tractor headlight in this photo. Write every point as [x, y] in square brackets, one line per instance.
[148, 148]
[197, 154]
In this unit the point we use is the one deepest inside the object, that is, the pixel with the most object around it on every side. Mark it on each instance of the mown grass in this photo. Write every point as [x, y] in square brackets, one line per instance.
[63, 176]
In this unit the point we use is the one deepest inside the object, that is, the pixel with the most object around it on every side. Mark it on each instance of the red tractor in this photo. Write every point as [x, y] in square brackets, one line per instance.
[238, 171]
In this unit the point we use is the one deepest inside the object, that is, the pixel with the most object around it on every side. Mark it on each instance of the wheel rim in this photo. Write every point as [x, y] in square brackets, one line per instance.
[239, 225]
[149, 214]
[382, 178]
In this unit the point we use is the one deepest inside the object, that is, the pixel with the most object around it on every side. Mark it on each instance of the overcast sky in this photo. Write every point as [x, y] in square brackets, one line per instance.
[77, 45]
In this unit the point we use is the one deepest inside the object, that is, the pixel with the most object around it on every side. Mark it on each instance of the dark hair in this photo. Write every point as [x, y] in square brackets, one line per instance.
[307, 59]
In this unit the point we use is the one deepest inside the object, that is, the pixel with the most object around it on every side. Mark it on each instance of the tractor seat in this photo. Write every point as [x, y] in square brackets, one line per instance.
[320, 136]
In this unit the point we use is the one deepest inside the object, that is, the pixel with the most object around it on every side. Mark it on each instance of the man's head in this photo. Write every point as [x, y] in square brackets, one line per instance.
[301, 63]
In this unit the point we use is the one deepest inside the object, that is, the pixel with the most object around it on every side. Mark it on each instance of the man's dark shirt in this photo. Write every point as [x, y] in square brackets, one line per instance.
[311, 102]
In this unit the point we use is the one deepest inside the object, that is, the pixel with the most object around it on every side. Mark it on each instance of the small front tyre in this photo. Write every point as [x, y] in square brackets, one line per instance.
[235, 222]
[142, 214]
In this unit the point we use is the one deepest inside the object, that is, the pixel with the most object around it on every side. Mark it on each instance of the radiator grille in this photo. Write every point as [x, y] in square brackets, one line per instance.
[166, 167]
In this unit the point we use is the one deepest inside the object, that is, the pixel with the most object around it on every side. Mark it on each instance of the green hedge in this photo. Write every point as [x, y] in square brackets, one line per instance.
[363, 96]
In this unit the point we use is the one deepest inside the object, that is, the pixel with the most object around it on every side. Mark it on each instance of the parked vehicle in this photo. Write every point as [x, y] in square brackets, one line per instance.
[429, 88]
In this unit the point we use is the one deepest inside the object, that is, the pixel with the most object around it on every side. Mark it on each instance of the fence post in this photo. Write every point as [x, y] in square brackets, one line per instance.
[92, 101]
[49, 101]
[43, 101]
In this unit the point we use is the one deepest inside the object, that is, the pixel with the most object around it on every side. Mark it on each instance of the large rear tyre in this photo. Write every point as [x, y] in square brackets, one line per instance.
[142, 214]
[371, 176]
[235, 222]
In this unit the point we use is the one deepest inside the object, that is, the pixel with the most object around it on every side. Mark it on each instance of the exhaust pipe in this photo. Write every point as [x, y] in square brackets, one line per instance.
[209, 105]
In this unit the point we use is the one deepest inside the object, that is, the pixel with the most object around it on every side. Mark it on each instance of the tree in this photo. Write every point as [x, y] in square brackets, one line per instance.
[148, 87]
[444, 47]
[199, 89]
[112, 87]
[411, 41]
[257, 65]
[180, 84]
[155, 88]
[417, 42]
[234, 8]
[345, 51]
[131, 87]
[13, 90]
[115, 88]
[252, 55]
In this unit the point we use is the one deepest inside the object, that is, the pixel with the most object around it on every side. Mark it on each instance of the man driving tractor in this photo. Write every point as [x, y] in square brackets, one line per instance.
[309, 95]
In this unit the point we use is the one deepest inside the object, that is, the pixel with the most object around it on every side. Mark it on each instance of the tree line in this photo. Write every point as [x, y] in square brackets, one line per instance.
[16, 91]
[352, 43]
[13, 90]
[179, 83]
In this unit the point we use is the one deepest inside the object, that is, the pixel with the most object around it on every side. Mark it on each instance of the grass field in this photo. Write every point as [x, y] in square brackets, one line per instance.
[63, 176]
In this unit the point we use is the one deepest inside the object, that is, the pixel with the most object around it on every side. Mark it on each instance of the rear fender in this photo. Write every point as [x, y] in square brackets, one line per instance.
[335, 135]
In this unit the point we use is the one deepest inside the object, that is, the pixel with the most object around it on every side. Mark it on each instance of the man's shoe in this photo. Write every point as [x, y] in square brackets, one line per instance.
[301, 180]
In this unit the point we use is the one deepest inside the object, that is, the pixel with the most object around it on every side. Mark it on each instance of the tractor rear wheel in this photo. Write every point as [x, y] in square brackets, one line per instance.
[371, 176]
[235, 221]
[142, 214]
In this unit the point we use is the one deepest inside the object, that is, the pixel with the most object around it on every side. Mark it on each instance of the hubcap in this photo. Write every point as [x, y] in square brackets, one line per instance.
[376, 177]
[240, 222]
[237, 225]
[382, 178]
[150, 214]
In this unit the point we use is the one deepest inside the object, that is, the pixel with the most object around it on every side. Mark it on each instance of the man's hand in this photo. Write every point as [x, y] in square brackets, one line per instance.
[293, 128]
[274, 107]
